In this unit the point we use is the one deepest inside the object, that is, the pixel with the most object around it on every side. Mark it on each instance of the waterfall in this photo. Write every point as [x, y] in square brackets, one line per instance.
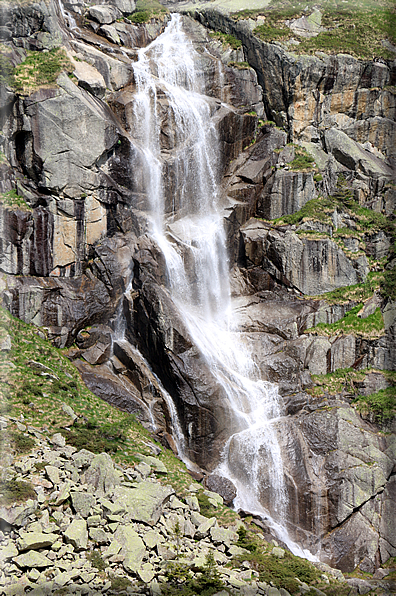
[192, 225]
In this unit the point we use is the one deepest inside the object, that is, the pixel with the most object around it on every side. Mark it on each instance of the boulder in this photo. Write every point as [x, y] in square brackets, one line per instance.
[32, 559]
[77, 534]
[101, 474]
[143, 503]
[90, 79]
[221, 485]
[35, 540]
[105, 15]
[133, 550]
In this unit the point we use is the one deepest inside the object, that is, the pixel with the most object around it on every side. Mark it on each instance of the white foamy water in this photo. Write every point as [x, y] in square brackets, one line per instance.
[195, 234]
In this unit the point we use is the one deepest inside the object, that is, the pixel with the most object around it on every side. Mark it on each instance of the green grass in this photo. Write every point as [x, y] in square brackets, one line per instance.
[40, 69]
[12, 200]
[358, 292]
[99, 427]
[348, 28]
[382, 404]
[335, 382]
[15, 491]
[239, 65]
[146, 10]
[283, 572]
[371, 326]
[302, 160]
[226, 39]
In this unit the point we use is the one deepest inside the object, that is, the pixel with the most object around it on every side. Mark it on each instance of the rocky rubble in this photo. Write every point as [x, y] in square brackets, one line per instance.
[94, 526]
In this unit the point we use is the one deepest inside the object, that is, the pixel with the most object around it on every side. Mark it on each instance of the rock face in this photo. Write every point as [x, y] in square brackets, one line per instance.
[78, 261]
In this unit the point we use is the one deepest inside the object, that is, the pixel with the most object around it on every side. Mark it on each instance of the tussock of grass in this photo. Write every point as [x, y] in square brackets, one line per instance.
[15, 491]
[226, 39]
[12, 200]
[371, 326]
[40, 69]
[382, 404]
[239, 65]
[146, 10]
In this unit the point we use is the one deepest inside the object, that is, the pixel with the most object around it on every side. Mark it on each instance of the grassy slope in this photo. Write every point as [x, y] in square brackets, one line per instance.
[356, 28]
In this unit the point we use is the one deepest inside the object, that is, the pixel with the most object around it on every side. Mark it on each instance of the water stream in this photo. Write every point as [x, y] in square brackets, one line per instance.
[167, 68]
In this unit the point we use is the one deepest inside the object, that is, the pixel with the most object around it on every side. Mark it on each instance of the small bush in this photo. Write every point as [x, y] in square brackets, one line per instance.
[21, 443]
[181, 582]
[146, 10]
[143, 16]
[246, 540]
[119, 584]
[205, 506]
[16, 491]
[96, 560]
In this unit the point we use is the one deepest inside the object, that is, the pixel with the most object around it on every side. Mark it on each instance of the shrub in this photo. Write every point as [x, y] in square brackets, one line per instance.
[96, 560]
[21, 443]
[147, 9]
[14, 491]
[142, 16]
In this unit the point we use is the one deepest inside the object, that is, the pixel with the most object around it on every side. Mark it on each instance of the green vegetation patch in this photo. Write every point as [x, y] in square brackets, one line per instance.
[24, 389]
[146, 10]
[302, 160]
[15, 491]
[382, 404]
[346, 28]
[358, 292]
[371, 326]
[13, 200]
[388, 289]
[226, 39]
[280, 572]
[21, 443]
[239, 65]
[181, 582]
[6, 69]
[40, 69]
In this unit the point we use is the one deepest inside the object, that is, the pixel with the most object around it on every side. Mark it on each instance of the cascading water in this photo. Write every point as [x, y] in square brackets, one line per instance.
[194, 227]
